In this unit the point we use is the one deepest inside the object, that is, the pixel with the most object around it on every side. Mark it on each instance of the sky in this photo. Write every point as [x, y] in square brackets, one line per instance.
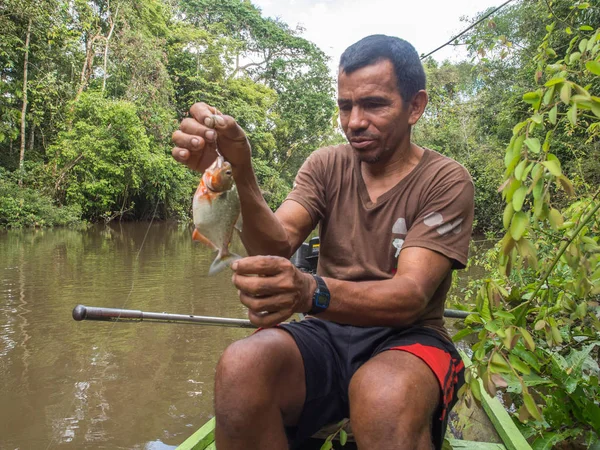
[333, 25]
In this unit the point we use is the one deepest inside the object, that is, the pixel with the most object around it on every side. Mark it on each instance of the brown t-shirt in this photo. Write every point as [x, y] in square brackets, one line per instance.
[432, 207]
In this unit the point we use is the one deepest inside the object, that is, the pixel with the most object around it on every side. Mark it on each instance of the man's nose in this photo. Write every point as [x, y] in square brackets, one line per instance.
[357, 120]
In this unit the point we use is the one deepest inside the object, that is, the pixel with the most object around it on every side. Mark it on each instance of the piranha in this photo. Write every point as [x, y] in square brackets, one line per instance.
[217, 212]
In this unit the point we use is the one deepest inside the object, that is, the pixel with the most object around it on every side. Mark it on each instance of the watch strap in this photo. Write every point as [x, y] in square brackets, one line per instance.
[321, 297]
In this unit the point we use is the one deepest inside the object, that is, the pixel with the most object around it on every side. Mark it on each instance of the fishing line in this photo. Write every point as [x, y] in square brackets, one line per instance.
[467, 29]
[103, 346]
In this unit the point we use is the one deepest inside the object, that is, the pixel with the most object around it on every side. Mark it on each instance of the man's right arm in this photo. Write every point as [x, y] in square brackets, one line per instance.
[263, 232]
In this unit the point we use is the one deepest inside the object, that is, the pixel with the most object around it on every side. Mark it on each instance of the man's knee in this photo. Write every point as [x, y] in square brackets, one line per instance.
[250, 373]
[390, 400]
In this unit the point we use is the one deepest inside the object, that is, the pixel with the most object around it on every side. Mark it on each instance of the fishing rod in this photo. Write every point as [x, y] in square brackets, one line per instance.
[81, 312]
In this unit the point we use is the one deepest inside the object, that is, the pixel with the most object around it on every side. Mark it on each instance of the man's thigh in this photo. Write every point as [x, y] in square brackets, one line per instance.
[408, 387]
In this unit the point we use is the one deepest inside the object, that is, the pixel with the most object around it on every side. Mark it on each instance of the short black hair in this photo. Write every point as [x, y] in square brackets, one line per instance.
[410, 75]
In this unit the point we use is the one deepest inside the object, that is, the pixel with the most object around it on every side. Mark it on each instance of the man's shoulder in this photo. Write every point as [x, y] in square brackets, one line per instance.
[333, 152]
[331, 158]
[444, 166]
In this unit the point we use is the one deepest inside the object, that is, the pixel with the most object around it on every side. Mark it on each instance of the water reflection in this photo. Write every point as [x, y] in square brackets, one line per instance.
[89, 385]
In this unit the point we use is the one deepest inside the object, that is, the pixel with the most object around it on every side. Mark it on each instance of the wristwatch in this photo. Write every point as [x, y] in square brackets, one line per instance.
[321, 297]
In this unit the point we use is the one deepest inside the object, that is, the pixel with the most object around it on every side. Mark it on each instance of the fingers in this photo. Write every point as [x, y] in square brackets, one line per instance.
[262, 265]
[269, 304]
[211, 117]
[263, 320]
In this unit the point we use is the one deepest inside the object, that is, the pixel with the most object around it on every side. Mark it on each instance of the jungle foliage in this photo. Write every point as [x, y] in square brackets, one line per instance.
[91, 91]
[537, 323]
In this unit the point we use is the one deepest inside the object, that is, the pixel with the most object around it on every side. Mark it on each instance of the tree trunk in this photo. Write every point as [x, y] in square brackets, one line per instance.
[107, 40]
[24, 108]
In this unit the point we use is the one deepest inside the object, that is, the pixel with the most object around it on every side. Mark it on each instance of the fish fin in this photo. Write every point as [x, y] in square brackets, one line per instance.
[239, 223]
[197, 236]
[222, 261]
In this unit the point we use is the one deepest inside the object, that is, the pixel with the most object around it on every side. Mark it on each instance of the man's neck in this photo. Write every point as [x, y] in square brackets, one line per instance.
[382, 176]
[399, 164]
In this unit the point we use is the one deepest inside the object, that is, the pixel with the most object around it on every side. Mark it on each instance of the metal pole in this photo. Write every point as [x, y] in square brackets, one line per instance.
[457, 313]
[81, 312]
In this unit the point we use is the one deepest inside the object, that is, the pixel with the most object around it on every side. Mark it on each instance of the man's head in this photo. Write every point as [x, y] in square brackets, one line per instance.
[410, 75]
[380, 95]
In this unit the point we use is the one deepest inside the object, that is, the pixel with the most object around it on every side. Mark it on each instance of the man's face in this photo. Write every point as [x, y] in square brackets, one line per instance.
[371, 111]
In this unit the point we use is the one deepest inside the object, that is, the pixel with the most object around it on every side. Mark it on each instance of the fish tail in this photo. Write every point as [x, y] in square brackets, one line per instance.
[221, 261]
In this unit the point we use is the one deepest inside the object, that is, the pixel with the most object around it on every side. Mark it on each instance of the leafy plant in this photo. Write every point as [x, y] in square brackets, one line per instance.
[537, 324]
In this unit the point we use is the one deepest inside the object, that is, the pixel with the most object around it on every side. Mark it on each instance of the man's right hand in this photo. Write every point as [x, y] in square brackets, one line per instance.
[198, 137]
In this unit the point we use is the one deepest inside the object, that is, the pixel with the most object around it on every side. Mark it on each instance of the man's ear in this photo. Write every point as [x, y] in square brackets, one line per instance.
[417, 106]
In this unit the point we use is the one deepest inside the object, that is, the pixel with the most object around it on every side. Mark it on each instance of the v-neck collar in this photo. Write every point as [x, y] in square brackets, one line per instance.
[362, 187]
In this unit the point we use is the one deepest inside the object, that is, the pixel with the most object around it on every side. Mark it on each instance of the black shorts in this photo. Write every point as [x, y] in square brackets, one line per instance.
[333, 352]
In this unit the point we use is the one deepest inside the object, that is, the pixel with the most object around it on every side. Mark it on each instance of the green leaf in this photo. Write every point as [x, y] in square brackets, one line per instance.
[533, 144]
[531, 406]
[343, 437]
[553, 167]
[531, 97]
[568, 30]
[462, 334]
[519, 365]
[538, 189]
[575, 56]
[475, 388]
[554, 81]
[529, 342]
[593, 66]
[552, 115]
[327, 445]
[547, 140]
[508, 213]
[565, 93]
[518, 127]
[520, 169]
[572, 115]
[499, 365]
[518, 198]
[586, 28]
[518, 225]
[556, 219]
[566, 185]
[556, 337]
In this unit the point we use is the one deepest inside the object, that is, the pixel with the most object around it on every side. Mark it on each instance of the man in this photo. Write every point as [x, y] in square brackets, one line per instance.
[394, 220]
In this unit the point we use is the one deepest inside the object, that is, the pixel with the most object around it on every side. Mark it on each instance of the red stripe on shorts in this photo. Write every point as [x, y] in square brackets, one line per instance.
[445, 368]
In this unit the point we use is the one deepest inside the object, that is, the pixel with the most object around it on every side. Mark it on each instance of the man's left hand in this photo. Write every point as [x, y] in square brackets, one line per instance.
[272, 289]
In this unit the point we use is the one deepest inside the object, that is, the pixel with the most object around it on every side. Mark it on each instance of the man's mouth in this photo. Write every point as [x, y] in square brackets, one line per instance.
[361, 143]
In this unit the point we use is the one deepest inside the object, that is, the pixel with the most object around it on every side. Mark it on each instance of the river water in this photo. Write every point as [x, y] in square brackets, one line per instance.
[104, 385]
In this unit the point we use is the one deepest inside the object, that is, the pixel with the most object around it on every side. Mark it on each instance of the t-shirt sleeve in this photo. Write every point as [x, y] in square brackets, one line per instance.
[445, 222]
[309, 186]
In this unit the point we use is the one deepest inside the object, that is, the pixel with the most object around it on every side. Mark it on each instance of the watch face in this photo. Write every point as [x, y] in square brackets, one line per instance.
[322, 300]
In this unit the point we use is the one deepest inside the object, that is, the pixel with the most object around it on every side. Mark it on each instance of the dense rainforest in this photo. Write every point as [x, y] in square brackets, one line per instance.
[91, 91]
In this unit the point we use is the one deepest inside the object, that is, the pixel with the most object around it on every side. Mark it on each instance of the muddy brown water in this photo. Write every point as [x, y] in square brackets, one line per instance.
[104, 385]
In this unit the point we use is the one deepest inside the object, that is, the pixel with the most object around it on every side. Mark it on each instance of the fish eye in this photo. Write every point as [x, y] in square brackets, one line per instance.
[228, 172]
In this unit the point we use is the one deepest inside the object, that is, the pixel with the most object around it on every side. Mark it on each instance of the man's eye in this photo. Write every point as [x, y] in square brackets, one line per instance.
[345, 107]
